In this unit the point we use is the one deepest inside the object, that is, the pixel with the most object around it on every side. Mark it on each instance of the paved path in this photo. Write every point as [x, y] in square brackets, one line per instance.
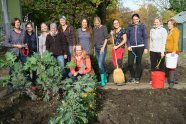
[140, 86]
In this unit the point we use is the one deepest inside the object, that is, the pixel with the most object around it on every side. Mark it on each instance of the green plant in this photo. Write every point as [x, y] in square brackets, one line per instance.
[79, 102]
[17, 76]
[48, 71]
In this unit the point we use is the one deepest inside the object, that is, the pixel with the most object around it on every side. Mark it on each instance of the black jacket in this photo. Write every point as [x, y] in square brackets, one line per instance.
[57, 44]
[31, 41]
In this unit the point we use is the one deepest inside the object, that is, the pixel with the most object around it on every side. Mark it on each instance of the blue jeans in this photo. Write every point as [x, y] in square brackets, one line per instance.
[61, 61]
[101, 59]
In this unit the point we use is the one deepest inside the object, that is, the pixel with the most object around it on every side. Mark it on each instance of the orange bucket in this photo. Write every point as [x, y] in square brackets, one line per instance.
[158, 79]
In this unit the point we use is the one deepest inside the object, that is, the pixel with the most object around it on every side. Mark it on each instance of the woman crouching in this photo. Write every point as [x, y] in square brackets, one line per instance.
[82, 62]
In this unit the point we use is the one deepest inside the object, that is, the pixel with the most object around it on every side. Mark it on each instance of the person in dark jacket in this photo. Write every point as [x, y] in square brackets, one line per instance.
[137, 45]
[31, 42]
[56, 44]
[69, 34]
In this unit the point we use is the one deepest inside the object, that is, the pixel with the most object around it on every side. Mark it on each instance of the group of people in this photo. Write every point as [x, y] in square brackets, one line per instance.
[66, 44]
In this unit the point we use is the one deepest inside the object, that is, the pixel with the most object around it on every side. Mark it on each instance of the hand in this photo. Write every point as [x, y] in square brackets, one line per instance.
[173, 53]
[145, 51]
[102, 50]
[162, 55]
[115, 47]
[18, 46]
[80, 71]
[75, 74]
[65, 56]
[112, 32]
[129, 49]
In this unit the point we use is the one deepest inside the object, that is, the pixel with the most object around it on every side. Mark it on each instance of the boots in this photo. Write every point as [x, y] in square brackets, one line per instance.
[105, 77]
[102, 82]
[171, 79]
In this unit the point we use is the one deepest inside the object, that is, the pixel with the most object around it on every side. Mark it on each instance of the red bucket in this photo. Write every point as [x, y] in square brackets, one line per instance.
[158, 79]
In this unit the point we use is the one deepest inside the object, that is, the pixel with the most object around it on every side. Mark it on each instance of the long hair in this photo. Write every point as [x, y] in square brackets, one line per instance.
[74, 53]
[88, 29]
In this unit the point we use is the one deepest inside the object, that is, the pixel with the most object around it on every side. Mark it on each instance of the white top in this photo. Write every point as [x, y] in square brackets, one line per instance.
[158, 38]
[42, 43]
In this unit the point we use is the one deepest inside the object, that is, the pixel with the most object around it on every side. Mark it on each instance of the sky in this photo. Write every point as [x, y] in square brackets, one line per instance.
[132, 4]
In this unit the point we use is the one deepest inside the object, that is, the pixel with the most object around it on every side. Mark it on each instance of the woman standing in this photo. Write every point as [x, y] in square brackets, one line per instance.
[15, 41]
[15, 38]
[84, 36]
[56, 44]
[137, 45]
[158, 36]
[100, 43]
[82, 61]
[172, 47]
[119, 39]
[68, 32]
[42, 38]
[31, 41]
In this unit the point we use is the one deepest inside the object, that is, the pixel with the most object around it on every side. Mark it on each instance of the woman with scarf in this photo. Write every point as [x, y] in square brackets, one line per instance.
[56, 44]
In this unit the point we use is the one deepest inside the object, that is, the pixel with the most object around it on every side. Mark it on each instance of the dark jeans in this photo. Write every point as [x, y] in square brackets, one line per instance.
[74, 77]
[155, 58]
[135, 54]
[101, 59]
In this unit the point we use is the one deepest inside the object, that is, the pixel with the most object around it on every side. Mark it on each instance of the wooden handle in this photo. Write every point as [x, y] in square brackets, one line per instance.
[116, 58]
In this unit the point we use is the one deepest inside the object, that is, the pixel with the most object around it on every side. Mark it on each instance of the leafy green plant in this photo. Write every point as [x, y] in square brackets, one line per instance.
[48, 71]
[79, 102]
[17, 76]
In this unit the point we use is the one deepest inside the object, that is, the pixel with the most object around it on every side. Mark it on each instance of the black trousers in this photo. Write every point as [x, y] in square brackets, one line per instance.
[155, 58]
[135, 57]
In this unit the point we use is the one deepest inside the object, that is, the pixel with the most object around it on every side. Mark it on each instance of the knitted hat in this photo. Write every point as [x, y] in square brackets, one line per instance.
[62, 17]
[53, 25]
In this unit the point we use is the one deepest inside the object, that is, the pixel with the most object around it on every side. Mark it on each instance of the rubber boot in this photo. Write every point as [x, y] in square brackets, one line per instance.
[102, 82]
[171, 79]
[105, 77]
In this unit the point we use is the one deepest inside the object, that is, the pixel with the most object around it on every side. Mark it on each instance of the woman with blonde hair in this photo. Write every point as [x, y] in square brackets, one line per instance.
[100, 43]
[158, 36]
[82, 62]
[172, 47]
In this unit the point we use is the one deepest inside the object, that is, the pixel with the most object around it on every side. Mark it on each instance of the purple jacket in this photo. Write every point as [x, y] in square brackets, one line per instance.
[137, 35]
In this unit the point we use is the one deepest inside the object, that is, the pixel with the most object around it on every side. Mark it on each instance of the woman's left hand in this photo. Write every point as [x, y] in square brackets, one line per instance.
[102, 50]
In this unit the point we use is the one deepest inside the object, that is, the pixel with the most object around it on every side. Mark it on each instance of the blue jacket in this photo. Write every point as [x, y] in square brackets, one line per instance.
[141, 35]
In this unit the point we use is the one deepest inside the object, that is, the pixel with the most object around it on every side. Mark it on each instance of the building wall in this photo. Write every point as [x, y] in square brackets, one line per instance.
[184, 36]
[14, 10]
[1, 13]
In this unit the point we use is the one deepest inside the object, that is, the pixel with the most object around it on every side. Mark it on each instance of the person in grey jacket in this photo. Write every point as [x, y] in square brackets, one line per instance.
[158, 36]
[15, 38]
[15, 41]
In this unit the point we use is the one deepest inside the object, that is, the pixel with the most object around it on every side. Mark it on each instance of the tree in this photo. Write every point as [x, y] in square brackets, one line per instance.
[167, 14]
[178, 5]
[174, 5]
[49, 10]
[147, 14]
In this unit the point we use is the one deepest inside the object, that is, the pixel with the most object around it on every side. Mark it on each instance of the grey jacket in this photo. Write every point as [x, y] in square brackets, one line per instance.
[13, 38]
[158, 38]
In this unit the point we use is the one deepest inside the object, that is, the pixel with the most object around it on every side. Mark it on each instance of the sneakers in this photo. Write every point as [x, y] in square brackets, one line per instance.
[137, 80]
[131, 81]
[134, 81]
